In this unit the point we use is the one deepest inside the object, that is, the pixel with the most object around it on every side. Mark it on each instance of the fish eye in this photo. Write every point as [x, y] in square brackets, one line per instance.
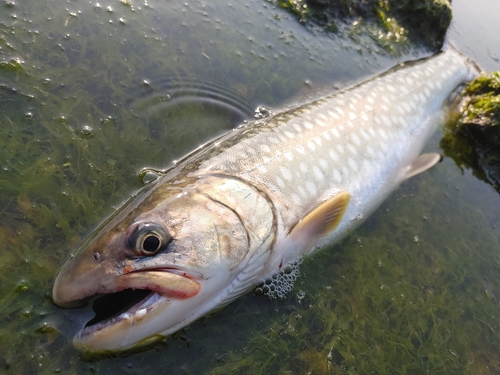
[149, 239]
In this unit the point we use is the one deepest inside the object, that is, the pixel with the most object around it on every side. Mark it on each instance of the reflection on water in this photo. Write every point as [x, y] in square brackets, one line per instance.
[414, 289]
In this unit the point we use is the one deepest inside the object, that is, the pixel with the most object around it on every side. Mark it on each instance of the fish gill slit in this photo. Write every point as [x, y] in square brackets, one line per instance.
[218, 242]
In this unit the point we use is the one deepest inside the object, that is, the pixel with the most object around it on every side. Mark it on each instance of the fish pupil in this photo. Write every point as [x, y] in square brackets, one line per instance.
[151, 244]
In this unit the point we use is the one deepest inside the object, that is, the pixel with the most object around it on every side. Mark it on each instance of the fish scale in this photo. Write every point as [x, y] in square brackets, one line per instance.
[249, 203]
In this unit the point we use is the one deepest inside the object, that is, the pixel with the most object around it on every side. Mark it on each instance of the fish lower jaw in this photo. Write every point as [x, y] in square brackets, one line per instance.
[133, 314]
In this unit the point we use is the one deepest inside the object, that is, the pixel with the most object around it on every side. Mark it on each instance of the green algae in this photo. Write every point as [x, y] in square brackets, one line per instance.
[389, 22]
[482, 103]
[473, 138]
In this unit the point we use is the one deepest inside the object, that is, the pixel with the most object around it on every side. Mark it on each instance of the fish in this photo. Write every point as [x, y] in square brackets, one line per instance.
[251, 203]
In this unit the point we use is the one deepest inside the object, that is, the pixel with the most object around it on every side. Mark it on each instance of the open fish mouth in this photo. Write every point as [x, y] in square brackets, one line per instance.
[114, 307]
[133, 296]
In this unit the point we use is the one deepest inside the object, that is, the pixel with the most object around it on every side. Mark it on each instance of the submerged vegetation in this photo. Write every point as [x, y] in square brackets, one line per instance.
[89, 95]
[473, 139]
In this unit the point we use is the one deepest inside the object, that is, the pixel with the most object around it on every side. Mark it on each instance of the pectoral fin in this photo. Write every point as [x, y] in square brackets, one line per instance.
[423, 163]
[321, 220]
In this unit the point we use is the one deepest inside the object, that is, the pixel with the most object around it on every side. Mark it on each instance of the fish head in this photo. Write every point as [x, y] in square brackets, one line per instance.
[159, 264]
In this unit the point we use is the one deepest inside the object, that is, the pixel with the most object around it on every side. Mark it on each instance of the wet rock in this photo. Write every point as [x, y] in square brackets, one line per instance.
[473, 141]
[425, 21]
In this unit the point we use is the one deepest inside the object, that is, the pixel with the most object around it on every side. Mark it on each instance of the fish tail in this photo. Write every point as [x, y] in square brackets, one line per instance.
[473, 67]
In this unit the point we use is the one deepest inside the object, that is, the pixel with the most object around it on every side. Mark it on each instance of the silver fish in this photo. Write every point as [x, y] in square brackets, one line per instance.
[255, 200]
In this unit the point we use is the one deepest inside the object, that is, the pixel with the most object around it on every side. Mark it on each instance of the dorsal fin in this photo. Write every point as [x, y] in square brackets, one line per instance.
[321, 220]
[423, 163]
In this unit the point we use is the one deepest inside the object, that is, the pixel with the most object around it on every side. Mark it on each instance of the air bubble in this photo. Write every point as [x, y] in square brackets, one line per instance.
[281, 283]
[87, 131]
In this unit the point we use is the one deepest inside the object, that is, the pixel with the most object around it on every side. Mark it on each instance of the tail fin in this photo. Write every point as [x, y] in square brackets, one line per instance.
[474, 68]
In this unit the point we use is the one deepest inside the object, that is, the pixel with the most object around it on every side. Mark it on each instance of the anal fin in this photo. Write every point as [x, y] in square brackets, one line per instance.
[423, 163]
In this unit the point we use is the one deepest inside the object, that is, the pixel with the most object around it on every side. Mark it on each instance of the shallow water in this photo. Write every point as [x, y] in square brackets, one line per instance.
[91, 93]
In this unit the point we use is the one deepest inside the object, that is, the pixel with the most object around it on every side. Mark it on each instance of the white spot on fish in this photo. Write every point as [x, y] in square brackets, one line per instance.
[289, 155]
[262, 169]
[337, 176]
[386, 120]
[352, 164]
[323, 163]
[333, 114]
[308, 125]
[327, 136]
[289, 134]
[265, 148]
[274, 140]
[340, 148]
[318, 141]
[303, 167]
[302, 192]
[280, 182]
[311, 146]
[300, 150]
[285, 172]
[311, 187]
[335, 132]
[318, 174]
[296, 199]
[297, 128]
[333, 155]
[364, 134]
[352, 149]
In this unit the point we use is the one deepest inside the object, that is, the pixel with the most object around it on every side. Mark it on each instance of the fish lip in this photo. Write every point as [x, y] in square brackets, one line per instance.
[181, 271]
